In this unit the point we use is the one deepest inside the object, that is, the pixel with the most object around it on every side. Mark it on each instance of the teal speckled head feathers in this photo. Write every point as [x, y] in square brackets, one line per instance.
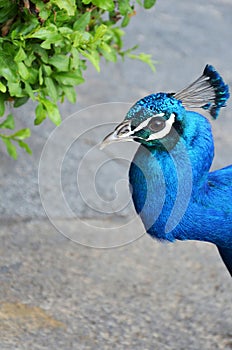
[156, 120]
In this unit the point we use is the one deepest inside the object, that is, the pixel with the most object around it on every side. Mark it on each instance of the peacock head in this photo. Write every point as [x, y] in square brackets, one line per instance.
[151, 121]
[158, 120]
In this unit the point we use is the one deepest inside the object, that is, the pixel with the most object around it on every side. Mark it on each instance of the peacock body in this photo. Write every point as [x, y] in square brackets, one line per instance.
[173, 190]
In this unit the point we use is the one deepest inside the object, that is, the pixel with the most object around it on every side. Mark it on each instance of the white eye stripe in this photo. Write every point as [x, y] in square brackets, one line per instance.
[154, 136]
[165, 131]
[146, 122]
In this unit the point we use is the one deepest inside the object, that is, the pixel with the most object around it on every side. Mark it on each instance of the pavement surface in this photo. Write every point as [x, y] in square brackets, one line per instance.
[58, 294]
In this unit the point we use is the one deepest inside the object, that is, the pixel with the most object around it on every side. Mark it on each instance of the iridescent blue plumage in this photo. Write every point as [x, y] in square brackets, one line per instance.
[204, 208]
[173, 190]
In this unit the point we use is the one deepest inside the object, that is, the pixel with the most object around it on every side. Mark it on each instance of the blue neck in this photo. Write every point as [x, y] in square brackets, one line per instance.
[163, 182]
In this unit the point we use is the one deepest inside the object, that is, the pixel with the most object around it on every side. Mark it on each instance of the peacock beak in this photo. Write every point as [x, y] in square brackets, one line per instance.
[121, 133]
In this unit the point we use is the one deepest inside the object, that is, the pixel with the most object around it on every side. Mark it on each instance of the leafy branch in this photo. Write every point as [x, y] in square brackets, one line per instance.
[44, 49]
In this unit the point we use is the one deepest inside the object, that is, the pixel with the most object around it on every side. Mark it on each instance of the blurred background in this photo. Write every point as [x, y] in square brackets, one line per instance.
[56, 293]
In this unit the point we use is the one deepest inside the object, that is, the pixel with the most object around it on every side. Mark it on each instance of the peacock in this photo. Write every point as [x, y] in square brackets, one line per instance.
[173, 190]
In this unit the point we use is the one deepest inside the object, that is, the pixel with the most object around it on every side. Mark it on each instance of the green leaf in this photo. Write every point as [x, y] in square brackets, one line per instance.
[68, 5]
[117, 34]
[47, 70]
[65, 31]
[53, 38]
[22, 29]
[100, 32]
[21, 134]
[74, 59]
[18, 102]
[33, 78]
[24, 146]
[108, 52]
[144, 58]
[8, 122]
[42, 53]
[23, 71]
[82, 22]
[86, 2]
[61, 62]
[15, 88]
[2, 87]
[8, 68]
[44, 14]
[51, 88]
[93, 57]
[20, 56]
[29, 91]
[107, 5]
[124, 7]
[148, 3]
[70, 93]
[49, 34]
[40, 113]
[52, 110]
[44, 32]
[11, 149]
[125, 21]
[40, 75]
[69, 78]
[81, 38]
[29, 59]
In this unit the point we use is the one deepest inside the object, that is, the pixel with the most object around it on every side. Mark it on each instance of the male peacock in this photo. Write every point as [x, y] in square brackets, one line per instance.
[172, 189]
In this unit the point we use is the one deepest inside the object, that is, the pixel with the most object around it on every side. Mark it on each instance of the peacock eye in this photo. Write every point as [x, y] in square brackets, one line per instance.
[157, 124]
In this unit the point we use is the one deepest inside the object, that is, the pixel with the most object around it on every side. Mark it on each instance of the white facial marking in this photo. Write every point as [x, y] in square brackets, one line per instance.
[124, 133]
[146, 122]
[160, 134]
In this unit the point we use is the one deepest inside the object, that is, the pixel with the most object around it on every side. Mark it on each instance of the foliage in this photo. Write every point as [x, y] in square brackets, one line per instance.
[44, 46]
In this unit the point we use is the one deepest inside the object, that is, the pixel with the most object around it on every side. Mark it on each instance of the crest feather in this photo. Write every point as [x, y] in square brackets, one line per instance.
[209, 92]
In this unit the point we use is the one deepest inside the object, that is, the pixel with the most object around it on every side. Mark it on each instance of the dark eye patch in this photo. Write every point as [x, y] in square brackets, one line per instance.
[124, 130]
[157, 124]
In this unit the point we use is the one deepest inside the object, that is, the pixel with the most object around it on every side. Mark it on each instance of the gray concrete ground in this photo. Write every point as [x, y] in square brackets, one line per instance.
[56, 294]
